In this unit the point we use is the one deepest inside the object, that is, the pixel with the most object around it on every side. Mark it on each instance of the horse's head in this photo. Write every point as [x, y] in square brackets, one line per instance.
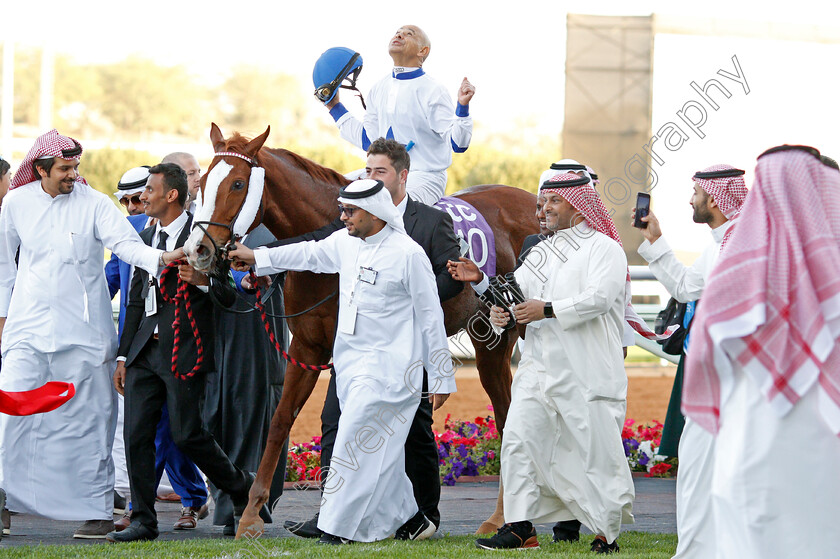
[231, 198]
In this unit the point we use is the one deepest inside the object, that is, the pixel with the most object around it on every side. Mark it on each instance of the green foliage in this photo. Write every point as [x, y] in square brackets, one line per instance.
[634, 545]
[486, 165]
[256, 98]
[102, 168]
[139, 96]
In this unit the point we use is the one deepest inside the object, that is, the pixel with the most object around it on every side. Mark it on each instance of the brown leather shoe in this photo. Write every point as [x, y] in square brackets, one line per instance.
[123, 522]
[190, 517]
[169, 498]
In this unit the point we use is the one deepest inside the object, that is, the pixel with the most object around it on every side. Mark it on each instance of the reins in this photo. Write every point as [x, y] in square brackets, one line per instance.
[273, 339]
[181, 295]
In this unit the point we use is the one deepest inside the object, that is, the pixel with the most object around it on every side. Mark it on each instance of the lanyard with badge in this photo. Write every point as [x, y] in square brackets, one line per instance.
[347, 312]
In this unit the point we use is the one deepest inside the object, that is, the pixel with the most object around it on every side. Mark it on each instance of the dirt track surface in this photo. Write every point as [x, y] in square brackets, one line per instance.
[649, 389]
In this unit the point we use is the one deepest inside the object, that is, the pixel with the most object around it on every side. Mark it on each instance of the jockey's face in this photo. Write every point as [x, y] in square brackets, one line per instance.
[61, 178]
[409, 46]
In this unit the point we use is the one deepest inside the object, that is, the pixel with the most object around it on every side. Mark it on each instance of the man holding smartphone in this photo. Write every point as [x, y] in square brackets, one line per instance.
[719, 193]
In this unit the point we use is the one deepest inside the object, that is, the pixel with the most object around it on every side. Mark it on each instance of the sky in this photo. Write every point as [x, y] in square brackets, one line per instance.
[512, 51]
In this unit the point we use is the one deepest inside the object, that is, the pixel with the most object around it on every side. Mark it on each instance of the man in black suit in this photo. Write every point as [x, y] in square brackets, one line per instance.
[144, 373]
[432, 229]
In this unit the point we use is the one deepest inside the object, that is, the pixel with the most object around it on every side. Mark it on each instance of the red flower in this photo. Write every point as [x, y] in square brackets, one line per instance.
[658, 469]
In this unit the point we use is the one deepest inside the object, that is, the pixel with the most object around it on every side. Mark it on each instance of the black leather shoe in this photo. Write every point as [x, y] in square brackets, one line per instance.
[305, 529]
[136, 532]
[566, 531]
[329, 539]
[601, 546]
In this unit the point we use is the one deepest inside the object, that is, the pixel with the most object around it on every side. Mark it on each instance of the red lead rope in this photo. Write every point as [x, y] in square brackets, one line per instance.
[264, 318]
[181, 295]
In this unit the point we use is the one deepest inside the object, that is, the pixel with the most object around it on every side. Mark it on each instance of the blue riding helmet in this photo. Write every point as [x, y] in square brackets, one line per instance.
[332, 68]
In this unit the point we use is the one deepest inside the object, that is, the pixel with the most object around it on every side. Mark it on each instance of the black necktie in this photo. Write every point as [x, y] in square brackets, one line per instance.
[162, 240]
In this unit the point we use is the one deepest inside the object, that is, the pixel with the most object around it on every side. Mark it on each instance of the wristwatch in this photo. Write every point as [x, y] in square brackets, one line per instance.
[548, 310]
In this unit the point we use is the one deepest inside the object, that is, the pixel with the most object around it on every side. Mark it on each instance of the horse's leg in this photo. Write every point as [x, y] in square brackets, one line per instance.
[297, 387]
[493, 365]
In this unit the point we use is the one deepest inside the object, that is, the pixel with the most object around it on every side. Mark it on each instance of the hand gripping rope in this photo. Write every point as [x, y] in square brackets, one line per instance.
[181, 295]
[261, 308]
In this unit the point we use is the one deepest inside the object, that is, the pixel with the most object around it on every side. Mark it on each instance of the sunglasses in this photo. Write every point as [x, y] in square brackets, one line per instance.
[345, 210]
[133, 199]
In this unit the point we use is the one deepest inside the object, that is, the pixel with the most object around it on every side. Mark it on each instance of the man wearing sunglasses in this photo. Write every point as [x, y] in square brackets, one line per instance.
[410, 107]
[718, 194]
[390, 328]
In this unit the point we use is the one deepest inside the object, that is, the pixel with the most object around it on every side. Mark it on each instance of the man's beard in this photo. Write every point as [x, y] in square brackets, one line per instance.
[702, 215]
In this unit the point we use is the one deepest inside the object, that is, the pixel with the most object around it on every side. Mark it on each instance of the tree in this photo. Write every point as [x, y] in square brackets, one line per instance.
[103, 168]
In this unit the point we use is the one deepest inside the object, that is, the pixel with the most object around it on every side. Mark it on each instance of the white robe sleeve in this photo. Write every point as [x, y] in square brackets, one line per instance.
[359, 133]
[8, 268]
[118, 235]
[684, 283]
[606, 280]
[428, 317]
[321, 257]
[450, 122]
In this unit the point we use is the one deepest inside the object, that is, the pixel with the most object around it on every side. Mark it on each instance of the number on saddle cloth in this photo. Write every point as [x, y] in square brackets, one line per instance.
[471, 226]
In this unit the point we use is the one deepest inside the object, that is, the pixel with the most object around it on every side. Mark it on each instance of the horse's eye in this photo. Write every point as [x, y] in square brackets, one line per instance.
[238, 185]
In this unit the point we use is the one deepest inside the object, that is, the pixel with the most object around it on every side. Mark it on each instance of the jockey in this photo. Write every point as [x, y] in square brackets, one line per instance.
[407, 106]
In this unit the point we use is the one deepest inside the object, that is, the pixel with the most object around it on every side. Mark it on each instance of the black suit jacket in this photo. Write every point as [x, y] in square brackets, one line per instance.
[139, 328]
[430, 228]
[530, 242]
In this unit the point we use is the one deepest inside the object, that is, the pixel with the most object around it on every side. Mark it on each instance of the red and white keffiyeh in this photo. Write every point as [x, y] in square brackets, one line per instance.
[772, 303]
[585, 199]
[49, 144]
[728, 192]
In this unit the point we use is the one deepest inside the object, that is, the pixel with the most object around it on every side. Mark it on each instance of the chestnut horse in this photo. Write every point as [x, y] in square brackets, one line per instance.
[300, 196]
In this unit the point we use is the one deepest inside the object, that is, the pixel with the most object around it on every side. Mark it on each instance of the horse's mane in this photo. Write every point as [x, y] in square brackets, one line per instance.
[237, 143]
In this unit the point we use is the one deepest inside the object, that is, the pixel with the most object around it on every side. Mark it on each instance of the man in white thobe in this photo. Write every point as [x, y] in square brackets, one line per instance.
[719, 193]
[390, 326]
[763, 368]
[57, 324]
[562, 455]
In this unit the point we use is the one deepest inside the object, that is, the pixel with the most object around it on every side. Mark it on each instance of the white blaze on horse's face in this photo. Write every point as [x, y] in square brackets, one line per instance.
[214, 178]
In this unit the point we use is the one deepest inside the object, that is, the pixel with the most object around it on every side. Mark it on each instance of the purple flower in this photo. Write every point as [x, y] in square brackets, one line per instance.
[443, 452]
[643, 459]
[449, 479]
[630, 445]
[463, 451]
[316, 448]
[471, 469]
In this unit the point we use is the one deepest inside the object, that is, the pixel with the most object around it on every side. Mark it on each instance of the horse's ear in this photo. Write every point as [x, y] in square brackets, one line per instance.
[254, 145]
[216, 137]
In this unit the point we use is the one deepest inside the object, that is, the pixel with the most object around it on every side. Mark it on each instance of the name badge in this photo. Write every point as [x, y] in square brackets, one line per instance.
[367, 275]
[151, 300]
[347, 318]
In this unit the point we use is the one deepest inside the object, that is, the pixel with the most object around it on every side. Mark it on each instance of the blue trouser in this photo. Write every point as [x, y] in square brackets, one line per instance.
[183, 474]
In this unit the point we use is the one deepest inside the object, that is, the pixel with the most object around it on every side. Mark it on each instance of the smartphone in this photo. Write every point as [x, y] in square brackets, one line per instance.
[642, 209]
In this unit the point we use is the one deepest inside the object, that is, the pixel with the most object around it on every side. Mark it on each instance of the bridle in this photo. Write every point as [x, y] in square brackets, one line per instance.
[221, 252]
[218, 275]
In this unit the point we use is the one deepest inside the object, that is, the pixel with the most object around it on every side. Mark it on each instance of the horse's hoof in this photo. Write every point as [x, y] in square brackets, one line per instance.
[251, 526]
[487, 527]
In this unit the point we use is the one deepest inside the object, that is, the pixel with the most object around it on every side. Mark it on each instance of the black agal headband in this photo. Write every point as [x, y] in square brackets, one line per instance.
[565, 184]
[344, 193]
[722, 174]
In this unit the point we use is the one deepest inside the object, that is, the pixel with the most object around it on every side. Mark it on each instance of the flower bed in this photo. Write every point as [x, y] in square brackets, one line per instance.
[468, 448]
[641, 445]
[472, 449]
